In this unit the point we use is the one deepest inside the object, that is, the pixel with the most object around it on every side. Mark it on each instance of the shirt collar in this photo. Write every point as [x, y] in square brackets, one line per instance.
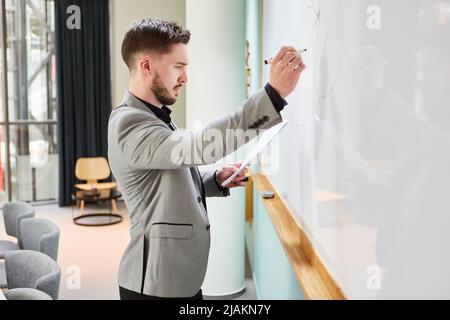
[162, 113]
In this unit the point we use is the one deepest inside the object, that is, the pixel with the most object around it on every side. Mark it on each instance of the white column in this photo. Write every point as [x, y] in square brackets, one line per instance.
[216, 80]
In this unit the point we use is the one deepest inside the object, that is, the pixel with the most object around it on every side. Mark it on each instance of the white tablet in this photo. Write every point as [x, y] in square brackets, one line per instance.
[263, 142]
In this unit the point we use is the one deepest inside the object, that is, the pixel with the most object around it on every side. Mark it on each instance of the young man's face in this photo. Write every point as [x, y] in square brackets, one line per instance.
[169, 74]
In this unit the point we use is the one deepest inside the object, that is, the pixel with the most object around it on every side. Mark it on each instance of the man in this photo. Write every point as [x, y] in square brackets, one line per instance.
[156, 165]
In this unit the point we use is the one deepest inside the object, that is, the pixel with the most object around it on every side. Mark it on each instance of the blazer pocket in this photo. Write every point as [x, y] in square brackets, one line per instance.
[174, 231]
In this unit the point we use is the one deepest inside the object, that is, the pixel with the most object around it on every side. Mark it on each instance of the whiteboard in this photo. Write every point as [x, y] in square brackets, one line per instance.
[364, 163]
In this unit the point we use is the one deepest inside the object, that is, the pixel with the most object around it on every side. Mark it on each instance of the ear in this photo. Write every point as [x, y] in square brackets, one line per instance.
[145, 65]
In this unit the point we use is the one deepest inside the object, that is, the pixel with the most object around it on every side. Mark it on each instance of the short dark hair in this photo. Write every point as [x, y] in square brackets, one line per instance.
[152, 35]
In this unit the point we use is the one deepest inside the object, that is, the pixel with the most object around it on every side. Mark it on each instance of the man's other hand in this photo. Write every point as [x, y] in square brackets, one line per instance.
[227, 171]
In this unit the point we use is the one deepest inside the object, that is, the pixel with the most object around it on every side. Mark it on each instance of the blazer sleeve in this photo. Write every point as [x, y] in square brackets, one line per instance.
[146, 143]
[210, 184]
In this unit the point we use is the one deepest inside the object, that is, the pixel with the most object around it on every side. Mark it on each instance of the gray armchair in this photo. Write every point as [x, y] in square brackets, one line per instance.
[26, 294]
[3, 284]
[40, 235]
[37, 235]
[33, 270]
[13, 214]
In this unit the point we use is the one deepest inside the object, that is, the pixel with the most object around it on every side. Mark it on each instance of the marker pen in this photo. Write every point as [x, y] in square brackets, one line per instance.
[269, 61]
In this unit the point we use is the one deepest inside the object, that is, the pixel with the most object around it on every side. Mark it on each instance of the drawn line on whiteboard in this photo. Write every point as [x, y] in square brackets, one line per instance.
[316, 12]
[311, 116]
[323, 50]
[288, 7]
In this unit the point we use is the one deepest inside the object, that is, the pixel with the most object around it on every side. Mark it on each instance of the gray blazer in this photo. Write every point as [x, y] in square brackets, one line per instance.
[170, 233]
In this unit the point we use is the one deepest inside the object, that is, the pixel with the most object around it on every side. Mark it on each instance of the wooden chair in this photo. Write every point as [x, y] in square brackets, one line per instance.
[92, 170]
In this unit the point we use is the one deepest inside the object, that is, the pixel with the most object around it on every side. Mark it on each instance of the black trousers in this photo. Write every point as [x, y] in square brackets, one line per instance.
[131, 295]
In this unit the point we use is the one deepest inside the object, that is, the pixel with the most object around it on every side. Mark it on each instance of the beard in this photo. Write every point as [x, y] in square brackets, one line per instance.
[161, 93]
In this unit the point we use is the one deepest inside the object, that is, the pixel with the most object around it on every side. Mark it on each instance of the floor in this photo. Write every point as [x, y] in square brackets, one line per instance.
[89, 256]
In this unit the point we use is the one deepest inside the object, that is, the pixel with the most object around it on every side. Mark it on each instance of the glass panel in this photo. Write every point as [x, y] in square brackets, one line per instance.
[3, 186]
[34, 162]
[2, 113]
[40, 61]
[31, 63]
[31, 97]
[13, 56]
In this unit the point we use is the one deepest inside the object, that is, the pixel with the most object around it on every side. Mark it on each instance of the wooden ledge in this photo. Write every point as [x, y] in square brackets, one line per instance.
[313, 277]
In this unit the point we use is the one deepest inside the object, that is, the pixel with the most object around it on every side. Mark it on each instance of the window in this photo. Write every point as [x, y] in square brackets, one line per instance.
[28, 125]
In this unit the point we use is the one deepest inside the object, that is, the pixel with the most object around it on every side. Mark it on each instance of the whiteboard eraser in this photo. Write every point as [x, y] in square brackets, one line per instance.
[267, 195]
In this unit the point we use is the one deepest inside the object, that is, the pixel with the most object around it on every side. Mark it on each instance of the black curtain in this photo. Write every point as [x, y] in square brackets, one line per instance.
[83, 86]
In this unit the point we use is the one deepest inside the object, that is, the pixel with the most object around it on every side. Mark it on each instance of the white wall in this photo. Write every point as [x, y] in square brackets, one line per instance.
[216, 88]
[123, 13]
